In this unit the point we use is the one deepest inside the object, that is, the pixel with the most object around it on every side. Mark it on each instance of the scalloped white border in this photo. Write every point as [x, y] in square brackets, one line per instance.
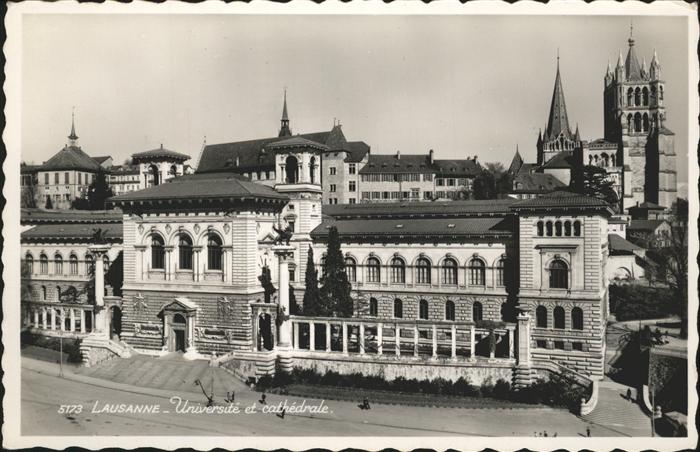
[11, 228]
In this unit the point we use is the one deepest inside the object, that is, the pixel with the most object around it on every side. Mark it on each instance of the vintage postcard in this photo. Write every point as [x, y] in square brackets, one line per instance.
[360, 224]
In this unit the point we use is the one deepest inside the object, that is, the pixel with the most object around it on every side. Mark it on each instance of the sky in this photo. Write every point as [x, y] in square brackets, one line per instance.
[461, 85]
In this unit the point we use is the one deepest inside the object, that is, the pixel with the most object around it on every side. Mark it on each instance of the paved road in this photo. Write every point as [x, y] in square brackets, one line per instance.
[43, 392]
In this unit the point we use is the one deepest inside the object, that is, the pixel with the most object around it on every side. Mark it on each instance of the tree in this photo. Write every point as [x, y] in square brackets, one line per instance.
[492, 182]
[312, 297]
[265, 279]
[28, 196]
[98, 192]
[596, 183]
[335, 287]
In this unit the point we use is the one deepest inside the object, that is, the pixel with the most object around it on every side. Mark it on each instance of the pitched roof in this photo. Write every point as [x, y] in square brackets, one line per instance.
[649, 206]
[558, 122]
[620, 245]
[516, 163]
[526, 182]
[383, 229]
[71, 158]
[392, 163]
[357, 151]
[202, 186]
[457, 168]
[645, 225]
[77, 232]
[420, 209]
[123, 170]
[632, 69]
[160, 152]
[55, 216]
[297, 141]
[561, 199]
[564, 159]
[102, 159]
[336, 139]
[27, 169]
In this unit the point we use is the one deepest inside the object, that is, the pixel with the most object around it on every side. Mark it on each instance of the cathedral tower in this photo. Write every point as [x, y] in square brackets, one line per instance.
[285, 131]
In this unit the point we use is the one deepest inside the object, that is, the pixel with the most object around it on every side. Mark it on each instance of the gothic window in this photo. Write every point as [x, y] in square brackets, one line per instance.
[549, 229]
[577, 319]
[661, 92]
[173, 170]
[58, 293]
[105, 263]
[185, 252]
[89, 264]
[29, 263]
[398, 308]
[567, 228]
[501, 272]
[559, 318]
[73, 264]
[214, 252]
[612, 159]
[637, 97]
[423, 271]
[541, 317]
[312, 166]
[373, 270]
[423, 309]
[350, 269]
[291, 169]
[577, 228]
[645, 96]
[637, 122]
[557, 228]
[630, 94]
[630, 123]
[653, 93]
[157, 252]
[398, 270]
[645, 122]
[373, 307]
[558, 274]
[540, 228]
[477, 312]
[153, 171]
[449, 271]
[43, 293]
[43, 264]
[449, 310]
[477, 272]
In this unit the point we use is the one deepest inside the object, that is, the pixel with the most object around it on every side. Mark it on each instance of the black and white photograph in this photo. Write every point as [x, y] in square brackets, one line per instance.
[337, 225]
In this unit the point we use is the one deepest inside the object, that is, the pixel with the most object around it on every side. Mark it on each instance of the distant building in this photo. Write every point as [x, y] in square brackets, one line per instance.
[124, 179]
[158, 165]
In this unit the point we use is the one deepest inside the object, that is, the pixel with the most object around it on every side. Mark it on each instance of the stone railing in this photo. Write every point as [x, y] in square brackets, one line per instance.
[54, 318]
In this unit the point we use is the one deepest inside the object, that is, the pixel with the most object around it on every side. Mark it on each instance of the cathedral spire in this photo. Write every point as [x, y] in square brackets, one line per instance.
[285, 131]
[73, 137]
[558, 119]
[632, 69]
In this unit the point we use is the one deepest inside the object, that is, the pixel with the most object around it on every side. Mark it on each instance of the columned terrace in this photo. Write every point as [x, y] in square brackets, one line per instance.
[57, 318]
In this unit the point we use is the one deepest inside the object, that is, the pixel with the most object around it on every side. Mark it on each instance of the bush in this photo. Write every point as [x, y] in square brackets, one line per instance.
[71, 347]
[634, 302]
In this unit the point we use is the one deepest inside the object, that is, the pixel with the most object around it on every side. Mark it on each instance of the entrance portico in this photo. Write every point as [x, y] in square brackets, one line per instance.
[179, 319]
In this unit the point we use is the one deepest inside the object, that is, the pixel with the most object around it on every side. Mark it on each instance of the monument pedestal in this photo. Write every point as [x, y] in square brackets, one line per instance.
[283, 347]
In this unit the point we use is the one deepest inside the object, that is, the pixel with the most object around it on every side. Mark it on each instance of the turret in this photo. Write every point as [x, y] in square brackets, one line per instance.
[285, 131]
[655, 68]
[73, 137]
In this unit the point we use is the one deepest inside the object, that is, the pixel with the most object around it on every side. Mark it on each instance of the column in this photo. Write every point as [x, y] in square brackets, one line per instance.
[256, 328]
[168, 262]
[82, 320]
[415, 340]
[196, 257]
[523, 357]
[312, 336]
[53, 319]
[380, 339]
[36, 319]
[43, 317]
[190, 334]
[227, 259]
[492, 351]
[284, 255]
[397, 337]
[510, 343]
[72, 320]
[345, 337]
[101, 323]
[139, 267]
[454, 342]
[361, 339]
[434, 341]
[328, 336]
[472, 342]
[295, 344]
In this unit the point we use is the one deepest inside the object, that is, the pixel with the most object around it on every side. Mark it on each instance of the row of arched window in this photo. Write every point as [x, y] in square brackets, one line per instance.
[423, 312]
[559, 314]
[640, 97]
[559, 228]
[185, 252]
[58, 263]
[638, 122]
[604, 160]
[45, 292]
[449, 274]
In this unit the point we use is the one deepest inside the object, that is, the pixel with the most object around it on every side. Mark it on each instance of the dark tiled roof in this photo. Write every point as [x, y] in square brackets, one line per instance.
[644, 225]
[618, 244]
[558, 122]
[564, 159]
[29, 169]
[649, 206]
[202, 186]
[48, 216]
[248, 154]
[563, 199]
[123, 170]
[602, 143]
[356, 151]
[516, 163]
[336, 140]
[391, 163]
[160, 152]
[526, 182]
[102, 159]
[423, 227]
[71, 158]
[617, 220]
[632, 68]
[297, 141]
[527, 168]
[420, 209]
[664, 131]
[80, 232]
[457, 168]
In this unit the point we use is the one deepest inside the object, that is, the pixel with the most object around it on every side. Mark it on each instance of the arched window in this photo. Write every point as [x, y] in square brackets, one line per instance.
[291, 169]
[637, 97]
[661, 92]
[645, 122]
[541, 317]
[557, 228]
[449, 271]
[398, 270]
[173, 170]
[549, 229]
[350, 269]
[58, 293]
[423, 271]
[105, 263]
[559, 318]
[373, 307]
[577, 318]
[449, 310]
[43, 264]
[637, 122]
[157, 252]
[501, 272]
[153, 171]
[477, 312]
[567, 228]
[540, 228]
[630, 95]
[630, 123]
[214, 252]
[43, 293]
[185, 252]
[90, 264]
[373, 270]
[73, 264]
[398, 309]
[58, 264]
[477, 272]
[558, 274]
[29, 262]
[312, 166]
[577, 228]
[423, 309]
[645, 96]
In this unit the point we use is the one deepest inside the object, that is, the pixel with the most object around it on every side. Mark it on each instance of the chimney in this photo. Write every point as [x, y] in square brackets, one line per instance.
[430, 156]
[475, 157]
[398, 155]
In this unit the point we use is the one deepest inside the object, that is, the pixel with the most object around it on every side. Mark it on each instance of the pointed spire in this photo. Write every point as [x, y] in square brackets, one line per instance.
[73, 137]
[285, 116]
[516, 163]
[608, 71]
[632, 69]
[558, 118]
[655, 59]
[619, 60]
[285, 131]
[577, 135]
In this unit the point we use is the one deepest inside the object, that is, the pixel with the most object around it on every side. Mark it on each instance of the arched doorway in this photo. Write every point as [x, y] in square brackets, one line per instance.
[115, 323]
[265, 329]
[178, 328]
[153, 171]
[291, 169]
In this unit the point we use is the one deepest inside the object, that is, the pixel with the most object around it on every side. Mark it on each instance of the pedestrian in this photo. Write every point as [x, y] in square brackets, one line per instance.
[233, 396]
[365, 404]
[629, 394]
[588, 432]
[281, 415]
[545, 433]
[555, 434]
[262, 399]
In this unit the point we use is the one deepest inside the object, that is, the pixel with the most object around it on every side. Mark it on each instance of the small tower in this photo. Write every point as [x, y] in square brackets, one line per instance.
[73, 137]
[285, 131]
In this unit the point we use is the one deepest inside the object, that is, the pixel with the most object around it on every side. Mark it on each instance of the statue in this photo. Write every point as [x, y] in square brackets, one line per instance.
[99, 236]
[283, 235]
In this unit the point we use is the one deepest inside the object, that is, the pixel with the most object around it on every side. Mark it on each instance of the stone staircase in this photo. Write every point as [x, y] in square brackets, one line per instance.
[616, 413]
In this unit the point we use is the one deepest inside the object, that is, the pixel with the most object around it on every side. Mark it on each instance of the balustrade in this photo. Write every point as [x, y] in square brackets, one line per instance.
[63, 317]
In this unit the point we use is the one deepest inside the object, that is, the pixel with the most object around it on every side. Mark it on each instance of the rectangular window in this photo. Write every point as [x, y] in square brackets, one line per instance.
[352, 186]
[352, 168]
[440, 182]
[331, 170]
[559, 345]
[578, 346]
[385, 195]
[66, 179]
[427, 195]
[376, 195]
[428, 177]
[332, 189]
[365, 195]
[80, 178]
[541, 343]
[395, 195]
[352, 200]
[439, 194]
[55, 178]
[46, 178]
[450, 182]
